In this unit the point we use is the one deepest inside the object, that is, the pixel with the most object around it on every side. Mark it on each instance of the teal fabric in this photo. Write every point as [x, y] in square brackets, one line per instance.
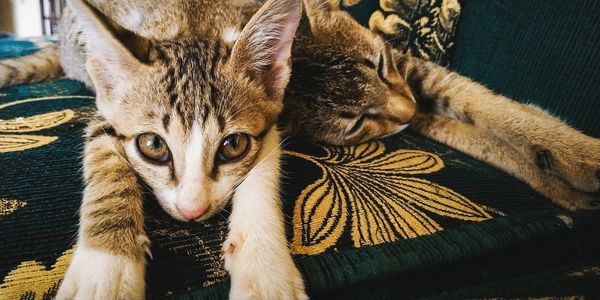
[10, 47]
[543, 52]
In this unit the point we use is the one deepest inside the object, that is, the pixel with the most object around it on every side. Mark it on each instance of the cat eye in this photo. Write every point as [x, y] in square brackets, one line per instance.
[233, 147]
[153, 147]
[357, 125]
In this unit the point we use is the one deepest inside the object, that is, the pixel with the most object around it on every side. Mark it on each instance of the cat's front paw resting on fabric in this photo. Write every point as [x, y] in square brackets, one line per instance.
[99, 275]
[259, 274]
[574, 158]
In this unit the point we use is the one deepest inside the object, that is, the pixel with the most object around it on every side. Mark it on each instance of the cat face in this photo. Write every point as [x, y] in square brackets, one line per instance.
[345, 87]
[197, 118]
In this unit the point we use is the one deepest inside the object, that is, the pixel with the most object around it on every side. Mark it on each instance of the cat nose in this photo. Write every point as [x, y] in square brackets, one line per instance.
[192, 214]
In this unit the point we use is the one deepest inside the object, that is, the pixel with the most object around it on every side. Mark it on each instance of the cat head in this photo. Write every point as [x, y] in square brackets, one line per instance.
[345, 87]
[197, 117]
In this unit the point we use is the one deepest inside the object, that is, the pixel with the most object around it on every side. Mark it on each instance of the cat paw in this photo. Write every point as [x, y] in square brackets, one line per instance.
[259, 273]
[564, 195]
[95, 274]
[576, 162]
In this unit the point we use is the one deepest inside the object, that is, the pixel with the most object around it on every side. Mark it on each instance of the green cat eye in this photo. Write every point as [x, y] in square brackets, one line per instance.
[233, 147]
[153, 147]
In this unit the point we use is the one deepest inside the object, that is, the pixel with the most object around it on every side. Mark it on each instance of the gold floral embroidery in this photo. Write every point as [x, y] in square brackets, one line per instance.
[31, 280]
[11, 143]
[421, 28]
[19, 142]
[37, 122]
[9, 206]
[369, 188]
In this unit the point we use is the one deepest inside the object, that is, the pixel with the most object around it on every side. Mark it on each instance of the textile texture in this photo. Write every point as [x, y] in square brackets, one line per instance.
[543, 52]
[399, 218]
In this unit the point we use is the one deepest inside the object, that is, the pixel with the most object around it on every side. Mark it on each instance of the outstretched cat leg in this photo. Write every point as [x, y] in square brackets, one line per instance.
[486, 147]
[547, 142]
[109, 261]
[256, 252]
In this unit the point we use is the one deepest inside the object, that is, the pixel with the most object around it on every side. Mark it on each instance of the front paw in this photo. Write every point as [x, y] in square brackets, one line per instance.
[260, 273]
[563, 194]
[576, 160]
[95, 274]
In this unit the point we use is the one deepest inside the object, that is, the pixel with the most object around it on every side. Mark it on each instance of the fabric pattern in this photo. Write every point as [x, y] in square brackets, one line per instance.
[422, 28]
[536, 52]
[399, 218]
[412, 206]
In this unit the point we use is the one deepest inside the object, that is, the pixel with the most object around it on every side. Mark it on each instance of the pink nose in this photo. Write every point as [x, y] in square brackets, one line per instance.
[192, 214]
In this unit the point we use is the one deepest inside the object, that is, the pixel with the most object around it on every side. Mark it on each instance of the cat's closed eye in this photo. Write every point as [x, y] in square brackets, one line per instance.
[360, 120]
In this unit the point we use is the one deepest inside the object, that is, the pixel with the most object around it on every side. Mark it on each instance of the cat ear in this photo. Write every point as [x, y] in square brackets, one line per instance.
[317, 12]
[109, 64]
[264, 47]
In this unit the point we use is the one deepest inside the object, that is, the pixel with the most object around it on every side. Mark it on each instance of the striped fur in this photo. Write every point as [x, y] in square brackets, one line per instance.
[40, 66]
[556, 160]
[193, 92]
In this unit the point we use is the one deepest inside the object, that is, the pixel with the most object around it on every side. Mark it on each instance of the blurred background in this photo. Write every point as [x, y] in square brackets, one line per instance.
[29, 18]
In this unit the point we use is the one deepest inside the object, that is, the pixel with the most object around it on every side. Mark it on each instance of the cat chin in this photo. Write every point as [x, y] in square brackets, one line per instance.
[397, 130]
[169, 207]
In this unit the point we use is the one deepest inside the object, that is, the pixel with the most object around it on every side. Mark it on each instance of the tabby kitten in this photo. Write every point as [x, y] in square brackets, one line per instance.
[197, 124]
[348, 86]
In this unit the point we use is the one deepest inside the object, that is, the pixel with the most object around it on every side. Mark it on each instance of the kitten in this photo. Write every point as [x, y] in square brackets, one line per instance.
[348, 86]
[197, 122]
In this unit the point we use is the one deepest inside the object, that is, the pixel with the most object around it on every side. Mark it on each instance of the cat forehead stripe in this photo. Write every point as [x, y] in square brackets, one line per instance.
[192, 70]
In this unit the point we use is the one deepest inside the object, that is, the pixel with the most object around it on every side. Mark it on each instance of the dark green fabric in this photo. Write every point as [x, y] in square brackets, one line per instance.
[525, 240]
[543, 52]
[527, 234]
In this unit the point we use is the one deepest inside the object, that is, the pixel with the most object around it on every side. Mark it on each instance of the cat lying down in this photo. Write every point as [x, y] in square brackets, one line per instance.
[197, 110]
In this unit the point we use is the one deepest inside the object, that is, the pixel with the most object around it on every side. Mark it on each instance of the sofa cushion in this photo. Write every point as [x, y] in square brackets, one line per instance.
[402, 217]
[543, 52]
[421, 28]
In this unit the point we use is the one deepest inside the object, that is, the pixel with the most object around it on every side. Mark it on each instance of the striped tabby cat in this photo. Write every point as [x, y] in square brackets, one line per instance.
[197, 123]
[203, 102]
[348, 86]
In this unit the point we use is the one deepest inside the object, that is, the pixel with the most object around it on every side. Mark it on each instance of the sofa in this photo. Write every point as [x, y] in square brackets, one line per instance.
[398, 218]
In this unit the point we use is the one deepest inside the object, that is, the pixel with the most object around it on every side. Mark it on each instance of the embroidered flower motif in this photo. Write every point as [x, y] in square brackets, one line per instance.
[9, 206]
[32, 280]
[10, 142]
[368, 190]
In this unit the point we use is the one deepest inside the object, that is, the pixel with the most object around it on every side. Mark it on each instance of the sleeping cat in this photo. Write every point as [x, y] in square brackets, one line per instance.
[355, 89]
[348, 86]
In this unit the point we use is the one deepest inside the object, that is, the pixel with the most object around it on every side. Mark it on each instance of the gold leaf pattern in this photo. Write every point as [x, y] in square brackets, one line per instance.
[11, 143]
[420, 28]
[369, 187]
[9, 206]
[37, 122]
[32, 280]
[387, 25]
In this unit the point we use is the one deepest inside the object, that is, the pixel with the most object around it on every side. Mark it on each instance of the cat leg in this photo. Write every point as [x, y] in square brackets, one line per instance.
[108, 262]
[256, 251]
[549, 143]
[487, 148]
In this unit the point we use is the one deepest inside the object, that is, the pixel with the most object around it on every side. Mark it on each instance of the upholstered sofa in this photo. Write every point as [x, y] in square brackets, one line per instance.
[402, 217]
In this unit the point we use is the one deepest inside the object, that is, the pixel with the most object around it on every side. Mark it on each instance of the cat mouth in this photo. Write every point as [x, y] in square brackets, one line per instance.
[397, 130]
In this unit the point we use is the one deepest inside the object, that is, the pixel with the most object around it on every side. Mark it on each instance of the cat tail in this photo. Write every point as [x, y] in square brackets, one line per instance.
[41, 65]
